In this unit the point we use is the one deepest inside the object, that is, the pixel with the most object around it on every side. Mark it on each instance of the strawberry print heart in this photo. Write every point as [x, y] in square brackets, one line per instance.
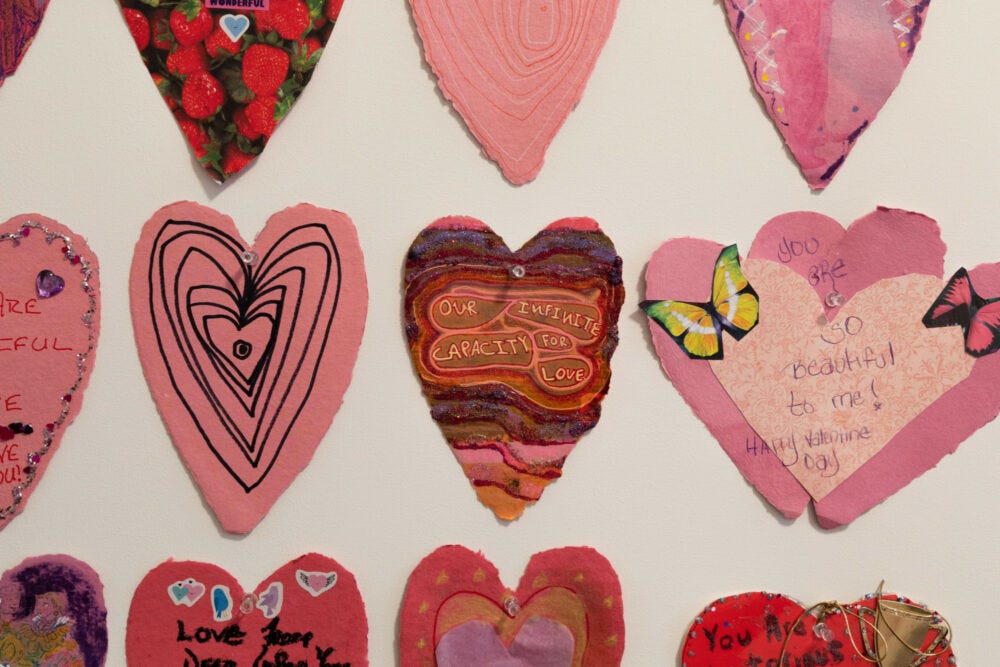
[841, 395]
[247, 350]
[567, 610]
[514, 70]
[824, 69]
[757, 629]
[19, 21]
[282, 622]
[49, 322]
[230, 71]
[513, 348]
[52, 613]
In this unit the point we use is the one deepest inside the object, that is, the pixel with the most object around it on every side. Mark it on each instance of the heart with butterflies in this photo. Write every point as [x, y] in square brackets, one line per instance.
[308, 612]
[761, 629]
[863, 369]
[247, 348]
[824, 69]
[567, 610]
[514, 70]
[230, 71]
[49, 325]
[513, 347]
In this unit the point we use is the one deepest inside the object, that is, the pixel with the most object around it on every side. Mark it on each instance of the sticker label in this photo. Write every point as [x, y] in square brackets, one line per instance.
[252, 5]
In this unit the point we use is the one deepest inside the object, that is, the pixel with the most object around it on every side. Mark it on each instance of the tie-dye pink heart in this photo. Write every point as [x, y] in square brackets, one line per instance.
[19, 21]
[195, 591]
[317, 582]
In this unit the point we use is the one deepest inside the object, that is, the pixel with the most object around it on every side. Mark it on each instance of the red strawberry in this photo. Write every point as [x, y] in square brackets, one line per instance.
[202, 95]
[264, 68]
[290, 18]
[138, 25]
[191, 22]
[243, 125]
[194, 132]
[303, 54]
[160, 28]
[166, 90]
[333, 9]
[260, 115]
[219, 45]
[233, 159]
[184, 60]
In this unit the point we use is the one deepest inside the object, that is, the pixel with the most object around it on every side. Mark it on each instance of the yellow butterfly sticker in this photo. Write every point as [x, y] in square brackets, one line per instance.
[697, 327]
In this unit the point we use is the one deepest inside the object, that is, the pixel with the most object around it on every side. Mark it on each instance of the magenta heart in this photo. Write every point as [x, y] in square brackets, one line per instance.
[825, 68]
[884, 244]
[541, 642]
[19, 21]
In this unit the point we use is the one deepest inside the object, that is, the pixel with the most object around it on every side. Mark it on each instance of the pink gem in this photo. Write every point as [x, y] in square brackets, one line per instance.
[75, 259]
[25, 231]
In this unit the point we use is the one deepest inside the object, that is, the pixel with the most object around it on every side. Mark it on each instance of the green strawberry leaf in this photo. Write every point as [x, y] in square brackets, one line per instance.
[282, 107]
[190, 9]
[288, 89]
[232, 79]
[315, 8]
[244, 144]
[151, 3]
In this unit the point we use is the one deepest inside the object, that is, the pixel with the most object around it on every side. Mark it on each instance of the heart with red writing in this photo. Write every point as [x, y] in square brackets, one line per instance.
[230, 71]
[284, 621]
[757, 629]
[514, 70]
[49, 322]
[840, 395]
[567, 610]
[247, 350]
[825, 69]
[513, 348]
[19, 21]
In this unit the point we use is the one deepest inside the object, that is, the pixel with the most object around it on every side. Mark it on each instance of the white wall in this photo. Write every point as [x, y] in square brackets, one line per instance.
[668, 141]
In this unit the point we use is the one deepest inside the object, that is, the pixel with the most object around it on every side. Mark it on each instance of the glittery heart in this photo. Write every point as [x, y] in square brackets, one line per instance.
[457, 611]
[278, 623]
[513, 348]
[514, 69]
[824, 69]
[755, 628]
[248, 362]
[234, 25]
[884, 245]
[46, 348]
[230, 75]
[19, 21]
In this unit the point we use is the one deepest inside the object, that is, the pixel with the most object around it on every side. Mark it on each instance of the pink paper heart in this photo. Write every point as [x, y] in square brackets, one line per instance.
[46, 348]
[824, 69]
[279, 623]
[247, 350]
[514, 69]
[19, 21]
[884, 244]
[540, 642]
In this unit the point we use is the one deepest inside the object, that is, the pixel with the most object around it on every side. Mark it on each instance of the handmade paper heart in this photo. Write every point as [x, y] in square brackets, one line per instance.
[840, 394]
[567, 610]
[513, 70]
[247, 350]
[49, 322]
[513, 348]
[759, 629]
[824, 69]
[19, 21]
[230, 71]
[52, 613]
[282, 622]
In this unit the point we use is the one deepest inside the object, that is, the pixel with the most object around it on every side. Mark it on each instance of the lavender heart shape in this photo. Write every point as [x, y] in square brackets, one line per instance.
[48, 284]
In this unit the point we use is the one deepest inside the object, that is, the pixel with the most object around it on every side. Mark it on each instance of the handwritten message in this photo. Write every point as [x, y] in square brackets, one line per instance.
[825, 396]
[541, 334]
[279, 647]
[756, 644]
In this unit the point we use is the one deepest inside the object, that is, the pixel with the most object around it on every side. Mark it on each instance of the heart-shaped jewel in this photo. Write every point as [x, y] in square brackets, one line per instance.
[567, 610]
[843, 401]
[230, 78]
[279, 623]
[52, 613]
[236, 353]
[763, 629]
[514, 70]
[47, 347]
[513, 348]
[824, 69]
[19, 21]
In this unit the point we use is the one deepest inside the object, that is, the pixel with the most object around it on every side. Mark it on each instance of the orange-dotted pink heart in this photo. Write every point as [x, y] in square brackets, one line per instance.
[308, 612]
[49, 322]
[514, 69]
[247, 349]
